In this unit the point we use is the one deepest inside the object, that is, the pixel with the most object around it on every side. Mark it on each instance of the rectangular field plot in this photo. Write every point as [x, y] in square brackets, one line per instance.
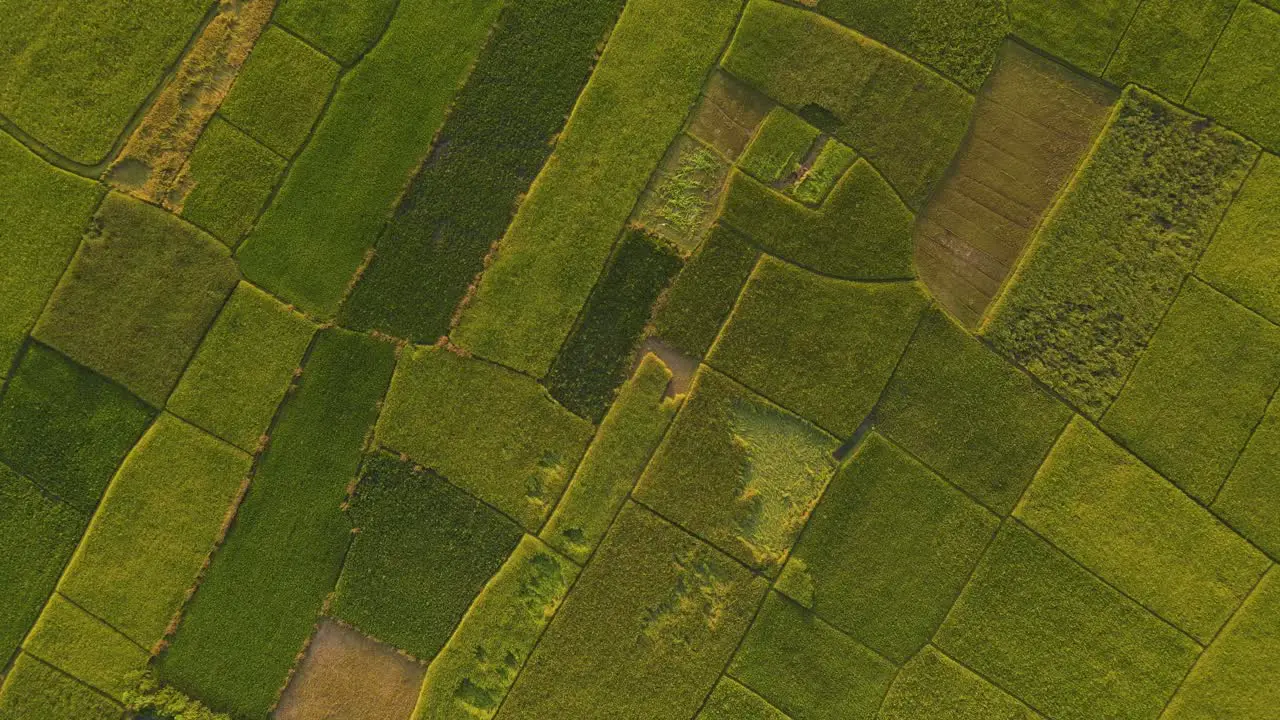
[489, 430]
[1117, 517]
[34, 690]
[1083, 32]
[1108, 260]
[37, 535]
[1059, 639]
[243, 367]
[138, 296]
[1250, 498]
[821, 347]
[227, 179]
[422, 551]
[808, 669]
[67, 428]
[257, 604]
[932, 685]
[76, 71]
[1167, 43]
[1033, 121]
[342, 29]
[649, 75]
[1233, 678]
[970, 415]
[738, 471]
[622, 447]
[645, 633]
[474, 671]
[154, 529]
[85, 647]
[377, 129]
[46, 210]
[346, 675]
[280, 91]
[705, 291]
[905, 119]
[731, 700]
[1243, 260]
[1199, 390]
[1239, 86]
[888, 549]
[498, 134]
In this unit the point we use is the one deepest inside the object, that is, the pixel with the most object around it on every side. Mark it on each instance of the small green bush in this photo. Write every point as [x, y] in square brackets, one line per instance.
[280, 91]
[231, 177]
[597, 354]
[67, 428]
[151, 697]
[422, 552]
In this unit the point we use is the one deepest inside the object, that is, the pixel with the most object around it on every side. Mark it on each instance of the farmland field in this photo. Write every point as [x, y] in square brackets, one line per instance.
[640, 360]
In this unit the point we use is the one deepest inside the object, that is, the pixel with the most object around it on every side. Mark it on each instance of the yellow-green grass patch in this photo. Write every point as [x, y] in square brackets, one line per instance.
[489, 430]
[76, 71]
[1109, 258]
[932, 685]
[903, 117]
[1058, 638]
[1167, 43]
[84, 647]
[155, 528]
[731, 700]
[1083, 32]
[474, 671]
[343, 29]
[738, 471]
[828, 166]
[1199, 390]
[650, 74]
[242, 368]
[258, 601]
[377, 129]
[862, 230]
[705, 291]
[622, 447]
[1239, 86]
[780, 144]
[67, 428]
[887, 550]
[1243, 260]
[34, 690]
[138, 296]
[645, 632]
[422, 552]
[37, 535]
[229, 176]
[1250, 499]
[821, 347]
[969, 414]
[45, 212]
[1117, 517]
[808, 669]
[280, 91]
[1234, 678]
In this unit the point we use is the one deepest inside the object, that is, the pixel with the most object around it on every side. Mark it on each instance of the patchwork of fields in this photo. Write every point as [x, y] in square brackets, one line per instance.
[640, 359]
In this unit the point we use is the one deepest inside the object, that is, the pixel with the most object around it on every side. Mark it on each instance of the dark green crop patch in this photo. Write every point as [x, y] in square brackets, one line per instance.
[496, 137]
[66, 427]
[138, 296]
[230, 176]
[1110, 257]
[597, 354]
[422, 552]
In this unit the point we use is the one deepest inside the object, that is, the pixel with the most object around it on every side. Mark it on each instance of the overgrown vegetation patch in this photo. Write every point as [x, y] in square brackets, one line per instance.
[422, 552]
[1200, 389]
[1112, 254]
[497, 136]
[739, 471]
[597, 354]
[258, 601]
[138, 296]
[887, 551]
[820, 347]
[67, 428]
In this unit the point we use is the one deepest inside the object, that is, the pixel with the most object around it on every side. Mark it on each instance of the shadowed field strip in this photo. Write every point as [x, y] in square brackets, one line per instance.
[1033, 122]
